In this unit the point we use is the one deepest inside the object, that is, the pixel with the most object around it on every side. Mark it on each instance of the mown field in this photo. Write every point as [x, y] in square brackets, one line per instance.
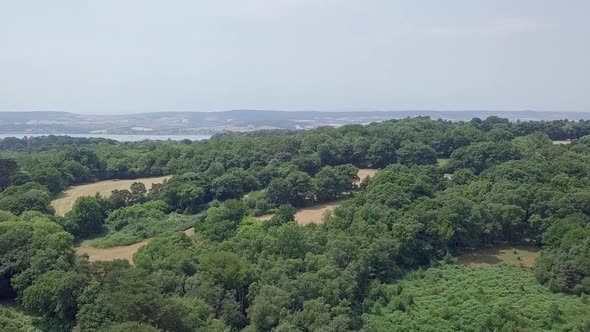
[65, 201]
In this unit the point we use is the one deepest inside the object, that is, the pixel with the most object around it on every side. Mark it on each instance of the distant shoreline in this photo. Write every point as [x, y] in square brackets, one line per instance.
[117, 137]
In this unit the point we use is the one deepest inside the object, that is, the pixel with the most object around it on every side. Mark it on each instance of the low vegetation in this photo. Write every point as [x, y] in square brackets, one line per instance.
[522, 256]
[492, 298]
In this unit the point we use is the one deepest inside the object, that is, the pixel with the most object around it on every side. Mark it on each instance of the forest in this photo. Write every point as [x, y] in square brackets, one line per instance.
[385, 259]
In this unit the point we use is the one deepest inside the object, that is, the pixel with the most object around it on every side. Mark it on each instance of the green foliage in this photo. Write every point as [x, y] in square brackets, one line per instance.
[30, 248]
[171, 253]
[457, 298]
[295, 189]
[118, 294]
[15, 321]
[7, 216]
[221, 222]
[30, 196]
[480, 156]
[330, 182]
[53, 298]
[129, 326]
[283, 215]
[132, 224]
[8, 168]
[411, 153]
[86, 217]
[266, 309]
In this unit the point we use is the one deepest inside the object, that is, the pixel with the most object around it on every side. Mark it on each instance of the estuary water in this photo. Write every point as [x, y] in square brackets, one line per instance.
[121, 138]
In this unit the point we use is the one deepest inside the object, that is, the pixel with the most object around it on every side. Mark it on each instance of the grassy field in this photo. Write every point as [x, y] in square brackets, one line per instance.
[64, 203]
[118, 252]
[521, 256]
[490, 298]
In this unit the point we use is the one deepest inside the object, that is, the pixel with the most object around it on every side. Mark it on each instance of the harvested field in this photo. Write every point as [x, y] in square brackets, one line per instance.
[365, 173]
[66, 201]
[119, 252]
[111, 254]
[522, 256]
[314, 214]
[309, 215]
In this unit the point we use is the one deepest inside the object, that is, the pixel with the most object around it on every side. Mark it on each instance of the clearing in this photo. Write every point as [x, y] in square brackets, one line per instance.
[315, 214]
[364, 173]
[309, 215]
[119, 252]
[521, 256]
[66, 201]
[562, 142]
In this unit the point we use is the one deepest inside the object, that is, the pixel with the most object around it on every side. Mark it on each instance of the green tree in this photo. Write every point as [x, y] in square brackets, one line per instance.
[8, 167]
[266, 307]
[222, 222]
[86, 217]
[414, 153]
[53, 298]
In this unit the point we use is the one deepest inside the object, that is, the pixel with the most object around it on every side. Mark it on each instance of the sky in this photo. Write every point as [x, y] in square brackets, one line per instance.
[131, 56]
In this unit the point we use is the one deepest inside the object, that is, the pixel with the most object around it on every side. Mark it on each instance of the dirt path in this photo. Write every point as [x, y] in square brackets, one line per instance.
[119, 252]
[65, 202]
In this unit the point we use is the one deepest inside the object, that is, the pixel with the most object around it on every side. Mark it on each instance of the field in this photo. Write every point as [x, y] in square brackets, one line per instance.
[365, 173]
[521, 256]
[309, 215]
[118, 252]
[66, 201]
[112, 253]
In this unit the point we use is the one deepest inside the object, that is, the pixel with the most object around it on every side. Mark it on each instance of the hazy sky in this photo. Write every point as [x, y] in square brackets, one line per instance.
[143, 56]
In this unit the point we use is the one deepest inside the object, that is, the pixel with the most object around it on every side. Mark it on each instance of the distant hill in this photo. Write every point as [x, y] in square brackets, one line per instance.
[208, 123]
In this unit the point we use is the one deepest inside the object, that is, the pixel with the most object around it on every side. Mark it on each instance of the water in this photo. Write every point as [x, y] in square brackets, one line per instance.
[121, 138]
